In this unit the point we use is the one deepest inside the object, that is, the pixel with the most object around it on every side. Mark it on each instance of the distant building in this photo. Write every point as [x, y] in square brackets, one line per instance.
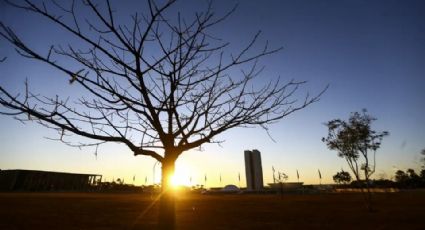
[287, 186]
[32, 180]
[230, 188]
[253, 170]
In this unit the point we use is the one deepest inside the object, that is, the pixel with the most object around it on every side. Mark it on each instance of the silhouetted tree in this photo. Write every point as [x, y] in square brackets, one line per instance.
[411, 173]
[414, 179]
[342, 177]
[408, 179]
[422, 174]
[159, 86]
[354, 139]
[401, 176]
[423, 158]
[282, 177]
[422, 177]
[383, 183]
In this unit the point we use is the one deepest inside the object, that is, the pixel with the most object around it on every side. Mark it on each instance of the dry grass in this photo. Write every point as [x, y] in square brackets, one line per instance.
[404, 210]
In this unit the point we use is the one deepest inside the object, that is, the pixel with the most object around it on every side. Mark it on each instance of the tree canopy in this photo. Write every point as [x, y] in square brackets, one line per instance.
[353, 140]
[342, 177]
[161, 103]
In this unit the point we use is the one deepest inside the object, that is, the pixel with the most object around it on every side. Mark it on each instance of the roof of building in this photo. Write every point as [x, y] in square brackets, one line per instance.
[41, 171]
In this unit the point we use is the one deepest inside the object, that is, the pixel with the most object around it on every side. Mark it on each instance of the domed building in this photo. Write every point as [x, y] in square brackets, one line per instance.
[230, 188]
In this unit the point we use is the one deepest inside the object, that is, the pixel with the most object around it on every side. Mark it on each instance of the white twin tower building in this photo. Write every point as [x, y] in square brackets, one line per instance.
[253, 170]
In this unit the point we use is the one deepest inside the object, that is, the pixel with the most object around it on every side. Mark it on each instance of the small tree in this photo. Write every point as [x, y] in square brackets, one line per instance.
[401, 177]
[423, 158]
[282, 177]
[355, 140]
[342, 177]
[422, 177]
[411, 173]
[414, 178]
[422, 174]
[408, 179]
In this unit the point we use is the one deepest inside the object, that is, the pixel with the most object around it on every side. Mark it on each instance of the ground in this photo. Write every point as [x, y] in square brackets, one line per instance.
[402, 210]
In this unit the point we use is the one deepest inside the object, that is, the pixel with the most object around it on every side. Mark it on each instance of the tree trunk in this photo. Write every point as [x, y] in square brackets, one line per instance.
[368, 196]
[167, 200]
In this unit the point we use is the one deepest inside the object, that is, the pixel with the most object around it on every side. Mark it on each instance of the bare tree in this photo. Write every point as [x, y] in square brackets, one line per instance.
[159, 104]
[357, 143]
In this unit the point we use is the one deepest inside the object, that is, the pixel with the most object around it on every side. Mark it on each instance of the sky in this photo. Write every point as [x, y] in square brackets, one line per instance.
[370, 53]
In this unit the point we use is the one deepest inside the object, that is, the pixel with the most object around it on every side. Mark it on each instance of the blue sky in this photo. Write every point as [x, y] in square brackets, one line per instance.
[371, 53]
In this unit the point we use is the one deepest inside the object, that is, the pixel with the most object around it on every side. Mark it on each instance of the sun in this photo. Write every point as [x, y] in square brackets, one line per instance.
[177, 181]
[179, 178]
[174, 180]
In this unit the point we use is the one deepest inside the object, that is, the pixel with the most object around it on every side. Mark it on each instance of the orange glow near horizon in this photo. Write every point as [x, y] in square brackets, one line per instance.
[180, 178]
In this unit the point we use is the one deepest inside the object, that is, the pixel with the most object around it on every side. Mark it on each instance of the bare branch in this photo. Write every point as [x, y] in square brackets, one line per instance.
[159, 104]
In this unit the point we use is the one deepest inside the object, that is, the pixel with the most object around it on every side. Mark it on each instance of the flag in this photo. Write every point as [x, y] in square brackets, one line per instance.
[134, 178]
[239, 177]
[320, 175]
[220, 177]
[190, 180]
[146, 179]
[298, 175]
[205, 178]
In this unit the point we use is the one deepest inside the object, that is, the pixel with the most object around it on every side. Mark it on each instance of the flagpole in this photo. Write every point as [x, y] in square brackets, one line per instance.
[298, 176]
[239, 178]
[320, 177]
[153, 175]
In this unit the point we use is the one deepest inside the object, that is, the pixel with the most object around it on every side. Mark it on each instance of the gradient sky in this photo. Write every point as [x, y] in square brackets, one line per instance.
[371, 53]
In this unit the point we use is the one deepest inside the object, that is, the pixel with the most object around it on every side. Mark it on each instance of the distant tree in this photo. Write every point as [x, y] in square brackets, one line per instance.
[422, 177]
[422, 174]
[411, 173]
[357, 143]
[159, 86]
[282, 177]
[409, 179]
[342, 177]
[414, 178]
[401, 177]
[384, 183]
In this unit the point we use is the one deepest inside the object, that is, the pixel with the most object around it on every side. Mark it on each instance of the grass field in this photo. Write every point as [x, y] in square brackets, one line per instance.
[403, 210]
